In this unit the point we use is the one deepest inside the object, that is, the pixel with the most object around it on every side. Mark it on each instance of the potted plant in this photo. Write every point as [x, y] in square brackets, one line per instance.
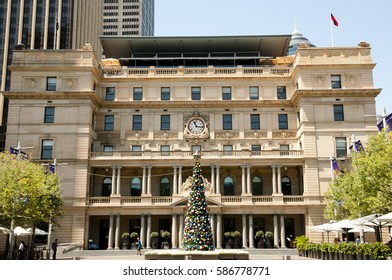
[154, 239]
[236, 236]
[165, 235]
[259, 236]
[133, 236]
[125, 238]
[229, 241]
[300, 242]
[268, 238]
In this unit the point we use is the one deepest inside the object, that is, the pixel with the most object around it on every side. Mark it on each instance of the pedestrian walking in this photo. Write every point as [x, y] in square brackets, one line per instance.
[54, 248]
[139, 247]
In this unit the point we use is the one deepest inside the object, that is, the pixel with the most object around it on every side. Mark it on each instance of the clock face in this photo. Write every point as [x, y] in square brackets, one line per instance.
[196, 126]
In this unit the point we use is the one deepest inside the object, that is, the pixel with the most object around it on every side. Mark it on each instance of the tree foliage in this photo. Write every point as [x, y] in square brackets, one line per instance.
[29, 195]
[367, 187]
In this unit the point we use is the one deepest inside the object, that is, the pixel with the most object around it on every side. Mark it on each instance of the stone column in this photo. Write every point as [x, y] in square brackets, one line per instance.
[149, 179]
[148, 243]
[179, 179]
[251, 233]
[144, 180]
[249, 184]
[219, 231]
[111, 229]
[174, 179]
[180, 230]
[217, 180]
[117, 233]
[243, 179]
[212, 221]
[282, 233]
[213, 179]
[142, 229]
[174, 231]
[118, 187]
[273, 179]
[276, 231]
[279, 179]
[244, 235]
[113, 190]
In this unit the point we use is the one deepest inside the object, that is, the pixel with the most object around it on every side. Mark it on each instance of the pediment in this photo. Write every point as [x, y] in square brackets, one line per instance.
[184, 201]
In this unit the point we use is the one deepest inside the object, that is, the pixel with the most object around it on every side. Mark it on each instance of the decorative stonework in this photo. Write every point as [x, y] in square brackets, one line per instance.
[137, 136]
[31, 84]
[108, 136]
[283, 134]
[187, 186]
[205, 117]
[165, 135]
[227, 135]
[353, 80]
[69, 83]
[255, 134]
[319, 80]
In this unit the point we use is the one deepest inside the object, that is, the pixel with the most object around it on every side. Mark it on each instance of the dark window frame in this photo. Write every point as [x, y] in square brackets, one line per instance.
[255, 121]
[49, 114]
[137, 122]
[283, 121]
[227, 121]
[110, 94]
[109, 123]
[226, 93]
[338, 112]
[165, 122]
[137, 93]
[196, 93]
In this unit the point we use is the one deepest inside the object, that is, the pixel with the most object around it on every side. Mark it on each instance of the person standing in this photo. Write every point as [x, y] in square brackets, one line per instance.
[21, 250]
[139, 247]
[54, 248]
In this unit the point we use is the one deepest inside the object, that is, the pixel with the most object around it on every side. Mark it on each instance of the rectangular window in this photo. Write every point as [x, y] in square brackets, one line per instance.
[341, 147]
[137, 122]
[338, 113]
[109, 123]
[165, 93]
[196, 93]
[49, 115]
[51, 84]
[136, 150]
[165, 150]
[283, 123]
[281, 92]
[284, 150]
[255, 122]
[227, 150]
[165, 122]
[226, 93]
[108, 148]
[196, 148]
[47, 149]
[256, 150]
[254, 93]
[137, 93]
[110, 93]
[227, 122]
[336, 81]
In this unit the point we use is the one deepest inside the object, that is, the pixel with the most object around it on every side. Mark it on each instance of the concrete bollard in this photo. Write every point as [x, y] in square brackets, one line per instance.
[286, 257]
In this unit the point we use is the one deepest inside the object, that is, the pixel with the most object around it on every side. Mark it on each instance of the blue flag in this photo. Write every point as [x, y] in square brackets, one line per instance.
[388, 121]
[52, 168]
[17, 152]
[357, 146]
[335, 168]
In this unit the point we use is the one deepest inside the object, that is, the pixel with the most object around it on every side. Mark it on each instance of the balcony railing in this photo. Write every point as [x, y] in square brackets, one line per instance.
[153, 72]
[189, 154]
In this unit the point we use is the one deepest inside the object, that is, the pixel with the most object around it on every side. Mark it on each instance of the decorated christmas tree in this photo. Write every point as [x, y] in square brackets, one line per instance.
[197, 229]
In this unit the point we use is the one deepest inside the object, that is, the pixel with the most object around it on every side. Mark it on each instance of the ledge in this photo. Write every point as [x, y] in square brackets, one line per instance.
[197, 255]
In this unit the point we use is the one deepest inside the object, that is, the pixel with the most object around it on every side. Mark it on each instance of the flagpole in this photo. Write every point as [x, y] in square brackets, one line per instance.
[330, 26]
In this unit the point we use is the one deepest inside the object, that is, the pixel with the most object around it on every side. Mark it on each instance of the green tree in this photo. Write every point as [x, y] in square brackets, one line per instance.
[29, 195]
[367, 187]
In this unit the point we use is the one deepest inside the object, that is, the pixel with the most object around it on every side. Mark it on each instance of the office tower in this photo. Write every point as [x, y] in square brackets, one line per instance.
[44, 24]
[128, 17]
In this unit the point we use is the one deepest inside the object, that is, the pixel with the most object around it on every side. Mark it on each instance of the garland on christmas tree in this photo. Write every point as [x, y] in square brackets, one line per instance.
[197, 229]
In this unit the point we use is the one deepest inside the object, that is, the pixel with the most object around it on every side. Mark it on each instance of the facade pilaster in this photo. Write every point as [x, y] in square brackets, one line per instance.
[244, 232]
[117, 233]
[219, 231]
[251, 233]
[111, 230]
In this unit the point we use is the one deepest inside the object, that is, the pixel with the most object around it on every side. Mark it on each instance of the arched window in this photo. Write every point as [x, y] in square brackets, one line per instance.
[106, 187]
[228, 186]
[136, 186]
[164, 187]
[286, 185]
[257, 185]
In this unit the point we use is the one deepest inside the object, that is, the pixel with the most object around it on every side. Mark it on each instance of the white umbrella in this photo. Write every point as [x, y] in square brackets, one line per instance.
[21, 231]
[364, 228]
[4, 230]
[385, 218]
[37, 231]
[327, 227]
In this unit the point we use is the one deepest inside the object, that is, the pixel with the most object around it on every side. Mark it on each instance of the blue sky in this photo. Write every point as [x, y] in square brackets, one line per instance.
[368, 21]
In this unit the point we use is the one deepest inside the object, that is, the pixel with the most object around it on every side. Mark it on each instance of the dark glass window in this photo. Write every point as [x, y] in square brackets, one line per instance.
[283, 122]
[136, 186]
[196, 93]
[255, 122]
[281, 92]
[257, 185]
[165, 150]
[228, 186]
[165, 93]
[254, 93]
[227, 122]
[137, 122]
[336, 81]
[165, 122]
[338, 112]
[226, 93]
[49, 115]
[138, 93]
[110, 93]
[106, 187]
[109, 123]
[341, 147]
[51, 84]
[47, 149]
[165, 187]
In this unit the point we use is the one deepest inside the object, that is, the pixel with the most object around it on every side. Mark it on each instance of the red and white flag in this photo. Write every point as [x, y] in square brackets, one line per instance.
[335, 22]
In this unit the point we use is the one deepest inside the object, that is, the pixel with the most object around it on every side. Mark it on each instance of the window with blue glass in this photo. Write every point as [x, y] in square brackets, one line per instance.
[49, 115]
[227, 122]
[137, 122]
[196, 93]
[47, 149]
[338, 113]
[51, 83]
[109, 123]
[110, 93]
[226, 93]
[165, 122]
[254, 121]
[254, 93]
[106, 187]
[164, 187]
[336, 81]
[283, 121]
[281, 92]
[136, 186]
[137, 93]
[341, 147]
[165, 93]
